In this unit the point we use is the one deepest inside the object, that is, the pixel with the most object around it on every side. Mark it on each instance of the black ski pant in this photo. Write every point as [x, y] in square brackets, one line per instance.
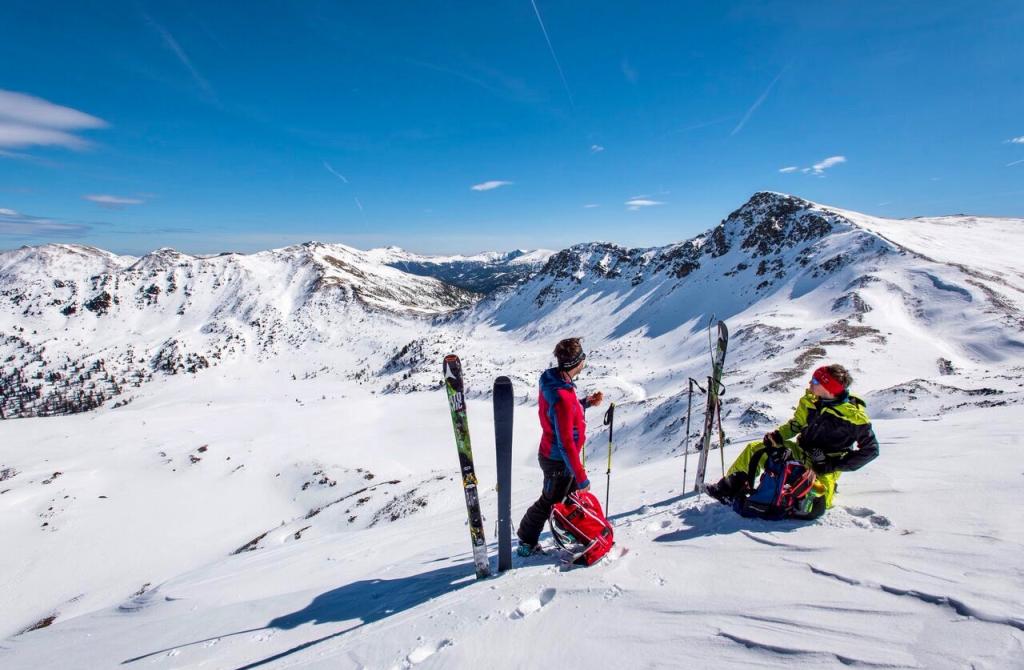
[558, 483]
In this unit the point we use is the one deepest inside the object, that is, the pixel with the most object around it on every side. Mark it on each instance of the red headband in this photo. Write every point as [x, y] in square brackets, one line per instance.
[827, 381]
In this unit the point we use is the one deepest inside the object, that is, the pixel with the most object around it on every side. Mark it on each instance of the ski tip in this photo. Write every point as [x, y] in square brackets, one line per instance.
[452, 367]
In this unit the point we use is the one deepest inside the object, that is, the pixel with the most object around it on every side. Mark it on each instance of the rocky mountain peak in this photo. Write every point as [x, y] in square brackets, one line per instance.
[771, 222]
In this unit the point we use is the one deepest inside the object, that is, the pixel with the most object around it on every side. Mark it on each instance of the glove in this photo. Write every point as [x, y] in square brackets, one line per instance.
[773, 440]
[820, 463]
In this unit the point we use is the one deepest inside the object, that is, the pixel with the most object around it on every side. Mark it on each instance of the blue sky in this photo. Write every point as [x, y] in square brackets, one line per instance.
[222, 126]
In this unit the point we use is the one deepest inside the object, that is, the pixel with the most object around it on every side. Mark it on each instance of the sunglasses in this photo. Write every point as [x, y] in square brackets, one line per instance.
[815, 381]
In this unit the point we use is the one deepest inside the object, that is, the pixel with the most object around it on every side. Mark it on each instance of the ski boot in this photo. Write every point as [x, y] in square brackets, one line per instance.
[727, 488]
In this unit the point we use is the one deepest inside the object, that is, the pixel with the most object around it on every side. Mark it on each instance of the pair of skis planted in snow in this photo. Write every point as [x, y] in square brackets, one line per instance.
[713, 411]
[503, 409]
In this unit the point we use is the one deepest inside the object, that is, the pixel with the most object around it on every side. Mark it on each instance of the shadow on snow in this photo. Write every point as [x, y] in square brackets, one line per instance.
[361, 602]
[721, 520]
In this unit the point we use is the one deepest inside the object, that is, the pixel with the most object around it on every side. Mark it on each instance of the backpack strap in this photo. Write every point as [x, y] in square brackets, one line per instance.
[755, 458]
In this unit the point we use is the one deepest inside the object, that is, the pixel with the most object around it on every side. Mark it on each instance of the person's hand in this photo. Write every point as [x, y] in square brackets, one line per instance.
[820, 462]
[595, 399]
[772, 440]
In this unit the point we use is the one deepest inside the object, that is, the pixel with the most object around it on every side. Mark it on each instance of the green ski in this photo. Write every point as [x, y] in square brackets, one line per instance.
[457, 402]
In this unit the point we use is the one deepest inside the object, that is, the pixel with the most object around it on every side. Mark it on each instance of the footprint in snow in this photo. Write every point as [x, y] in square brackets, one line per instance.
[614, 592]
[656, 526]
[865, 517]
[880, 521]
[423, 652]
[531, 605]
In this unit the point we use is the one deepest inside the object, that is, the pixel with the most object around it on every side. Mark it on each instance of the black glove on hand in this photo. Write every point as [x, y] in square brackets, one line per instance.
[820, 463]
[772, 440]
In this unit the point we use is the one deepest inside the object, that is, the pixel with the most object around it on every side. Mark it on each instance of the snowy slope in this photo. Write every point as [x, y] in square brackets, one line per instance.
[326, 457]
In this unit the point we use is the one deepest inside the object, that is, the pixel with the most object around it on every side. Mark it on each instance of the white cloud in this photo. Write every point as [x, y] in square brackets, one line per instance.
[27, 121]
[590, 206]
[25, 225]
[489, 185]
[637, 203]
[1015, 163]
[18, 135]
[30, 110]
[1016, 140]
[112, 201]
[820, 167]
[816, 169]
[596, 148]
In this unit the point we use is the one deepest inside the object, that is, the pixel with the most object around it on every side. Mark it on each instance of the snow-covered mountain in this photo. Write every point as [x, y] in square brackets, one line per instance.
[289, 497]
[79, 325]
[481, 273]
[82, 325]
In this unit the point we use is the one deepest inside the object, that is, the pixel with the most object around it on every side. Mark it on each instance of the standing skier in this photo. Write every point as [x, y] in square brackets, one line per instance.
[827, 424]
[564, 430]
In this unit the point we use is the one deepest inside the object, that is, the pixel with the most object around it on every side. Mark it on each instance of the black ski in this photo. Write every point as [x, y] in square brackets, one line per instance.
[714, 405]
[504, 402]
[457, 402]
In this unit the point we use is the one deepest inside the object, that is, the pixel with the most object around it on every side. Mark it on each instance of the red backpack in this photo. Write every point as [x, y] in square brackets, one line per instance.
[579, 526]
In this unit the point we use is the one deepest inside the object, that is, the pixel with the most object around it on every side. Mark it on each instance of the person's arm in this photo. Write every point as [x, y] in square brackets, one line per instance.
[791, 428]
[867, 450]
[564, 427]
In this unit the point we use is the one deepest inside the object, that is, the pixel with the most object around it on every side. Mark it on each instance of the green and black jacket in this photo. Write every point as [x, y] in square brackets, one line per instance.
[834, 426]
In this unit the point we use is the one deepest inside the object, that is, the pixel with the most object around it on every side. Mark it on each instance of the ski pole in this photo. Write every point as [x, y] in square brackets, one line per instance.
[609, 420]
[686, 450]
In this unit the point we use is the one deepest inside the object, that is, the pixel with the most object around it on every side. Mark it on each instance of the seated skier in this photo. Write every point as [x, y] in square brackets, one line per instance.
[564, 430]
[828, 423]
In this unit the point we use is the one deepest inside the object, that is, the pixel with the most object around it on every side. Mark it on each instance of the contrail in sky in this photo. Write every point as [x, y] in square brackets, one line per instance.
[551, 48]
[175, 47]
[757, 103]
[335, 172]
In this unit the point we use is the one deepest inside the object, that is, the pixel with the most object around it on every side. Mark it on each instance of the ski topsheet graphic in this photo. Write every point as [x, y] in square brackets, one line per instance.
[457, 402]
[713, 413]
[504, 402]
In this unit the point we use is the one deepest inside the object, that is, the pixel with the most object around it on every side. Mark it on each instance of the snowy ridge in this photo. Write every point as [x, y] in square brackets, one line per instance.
[296, 503]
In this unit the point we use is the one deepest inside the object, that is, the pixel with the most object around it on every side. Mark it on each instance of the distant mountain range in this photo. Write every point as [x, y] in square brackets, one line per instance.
[79, 325]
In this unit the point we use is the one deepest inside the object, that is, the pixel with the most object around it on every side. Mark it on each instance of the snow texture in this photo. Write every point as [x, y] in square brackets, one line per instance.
[248, 462]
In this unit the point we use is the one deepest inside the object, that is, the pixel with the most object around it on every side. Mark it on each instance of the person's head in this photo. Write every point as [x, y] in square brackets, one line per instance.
[830, 381]
[570, 356]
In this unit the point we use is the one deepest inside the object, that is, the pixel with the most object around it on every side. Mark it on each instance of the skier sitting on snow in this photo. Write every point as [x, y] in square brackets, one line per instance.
[564, 430]
[822, 433]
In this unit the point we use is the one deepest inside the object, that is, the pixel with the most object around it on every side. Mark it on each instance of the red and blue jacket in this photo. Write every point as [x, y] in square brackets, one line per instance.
[563, 424]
